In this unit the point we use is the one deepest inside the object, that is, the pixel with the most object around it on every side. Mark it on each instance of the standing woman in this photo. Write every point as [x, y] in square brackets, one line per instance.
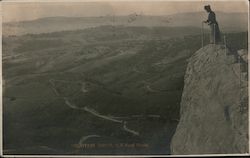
[211, 21]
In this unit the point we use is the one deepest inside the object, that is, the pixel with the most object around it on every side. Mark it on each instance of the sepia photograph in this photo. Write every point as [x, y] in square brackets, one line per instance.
[129, 78]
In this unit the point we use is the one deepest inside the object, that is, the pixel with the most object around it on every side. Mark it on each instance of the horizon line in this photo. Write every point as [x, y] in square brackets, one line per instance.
[113, 15]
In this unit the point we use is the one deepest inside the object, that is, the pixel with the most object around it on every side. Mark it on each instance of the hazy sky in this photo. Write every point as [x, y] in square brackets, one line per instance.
[28, 10]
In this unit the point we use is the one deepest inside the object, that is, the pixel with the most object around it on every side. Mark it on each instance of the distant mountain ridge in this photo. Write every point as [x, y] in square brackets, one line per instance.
[229, 22]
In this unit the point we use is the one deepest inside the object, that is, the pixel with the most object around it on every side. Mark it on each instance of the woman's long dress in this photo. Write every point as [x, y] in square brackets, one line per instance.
[215, 31]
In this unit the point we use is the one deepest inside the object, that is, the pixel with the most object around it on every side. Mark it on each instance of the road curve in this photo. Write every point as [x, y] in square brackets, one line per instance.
[84, 138]
[93, 112]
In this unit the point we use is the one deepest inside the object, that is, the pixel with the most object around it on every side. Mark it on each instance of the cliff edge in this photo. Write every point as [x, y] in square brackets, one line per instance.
[214, 105]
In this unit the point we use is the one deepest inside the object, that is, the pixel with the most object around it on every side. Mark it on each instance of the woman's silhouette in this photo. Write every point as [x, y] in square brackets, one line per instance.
[211, 21]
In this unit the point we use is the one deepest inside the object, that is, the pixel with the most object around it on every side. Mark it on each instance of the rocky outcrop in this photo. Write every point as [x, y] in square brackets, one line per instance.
[214, 105]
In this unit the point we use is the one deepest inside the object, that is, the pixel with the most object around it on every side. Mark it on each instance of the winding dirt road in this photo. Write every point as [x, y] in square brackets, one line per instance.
[93, 112]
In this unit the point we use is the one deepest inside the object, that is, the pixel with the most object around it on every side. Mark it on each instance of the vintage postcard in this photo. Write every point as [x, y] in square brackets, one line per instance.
[124, 78]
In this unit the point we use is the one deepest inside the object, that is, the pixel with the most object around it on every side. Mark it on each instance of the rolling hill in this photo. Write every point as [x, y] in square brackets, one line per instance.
[229, 22]
[103, 85]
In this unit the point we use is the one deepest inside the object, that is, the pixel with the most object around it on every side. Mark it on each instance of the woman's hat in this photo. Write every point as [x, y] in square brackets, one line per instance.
[207, 7]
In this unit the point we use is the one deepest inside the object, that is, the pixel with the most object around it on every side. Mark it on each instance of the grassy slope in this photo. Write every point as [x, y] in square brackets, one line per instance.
[117, 66]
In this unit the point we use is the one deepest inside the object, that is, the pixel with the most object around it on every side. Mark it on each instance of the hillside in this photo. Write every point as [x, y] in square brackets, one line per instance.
[214, 104]
[229, 22]
[94, 86]
[99, 85]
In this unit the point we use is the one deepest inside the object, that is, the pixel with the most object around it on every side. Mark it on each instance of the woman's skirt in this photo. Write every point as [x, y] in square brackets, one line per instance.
[215, 34]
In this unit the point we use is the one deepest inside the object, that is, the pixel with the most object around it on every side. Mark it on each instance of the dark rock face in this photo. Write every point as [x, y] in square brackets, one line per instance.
[214, 105]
